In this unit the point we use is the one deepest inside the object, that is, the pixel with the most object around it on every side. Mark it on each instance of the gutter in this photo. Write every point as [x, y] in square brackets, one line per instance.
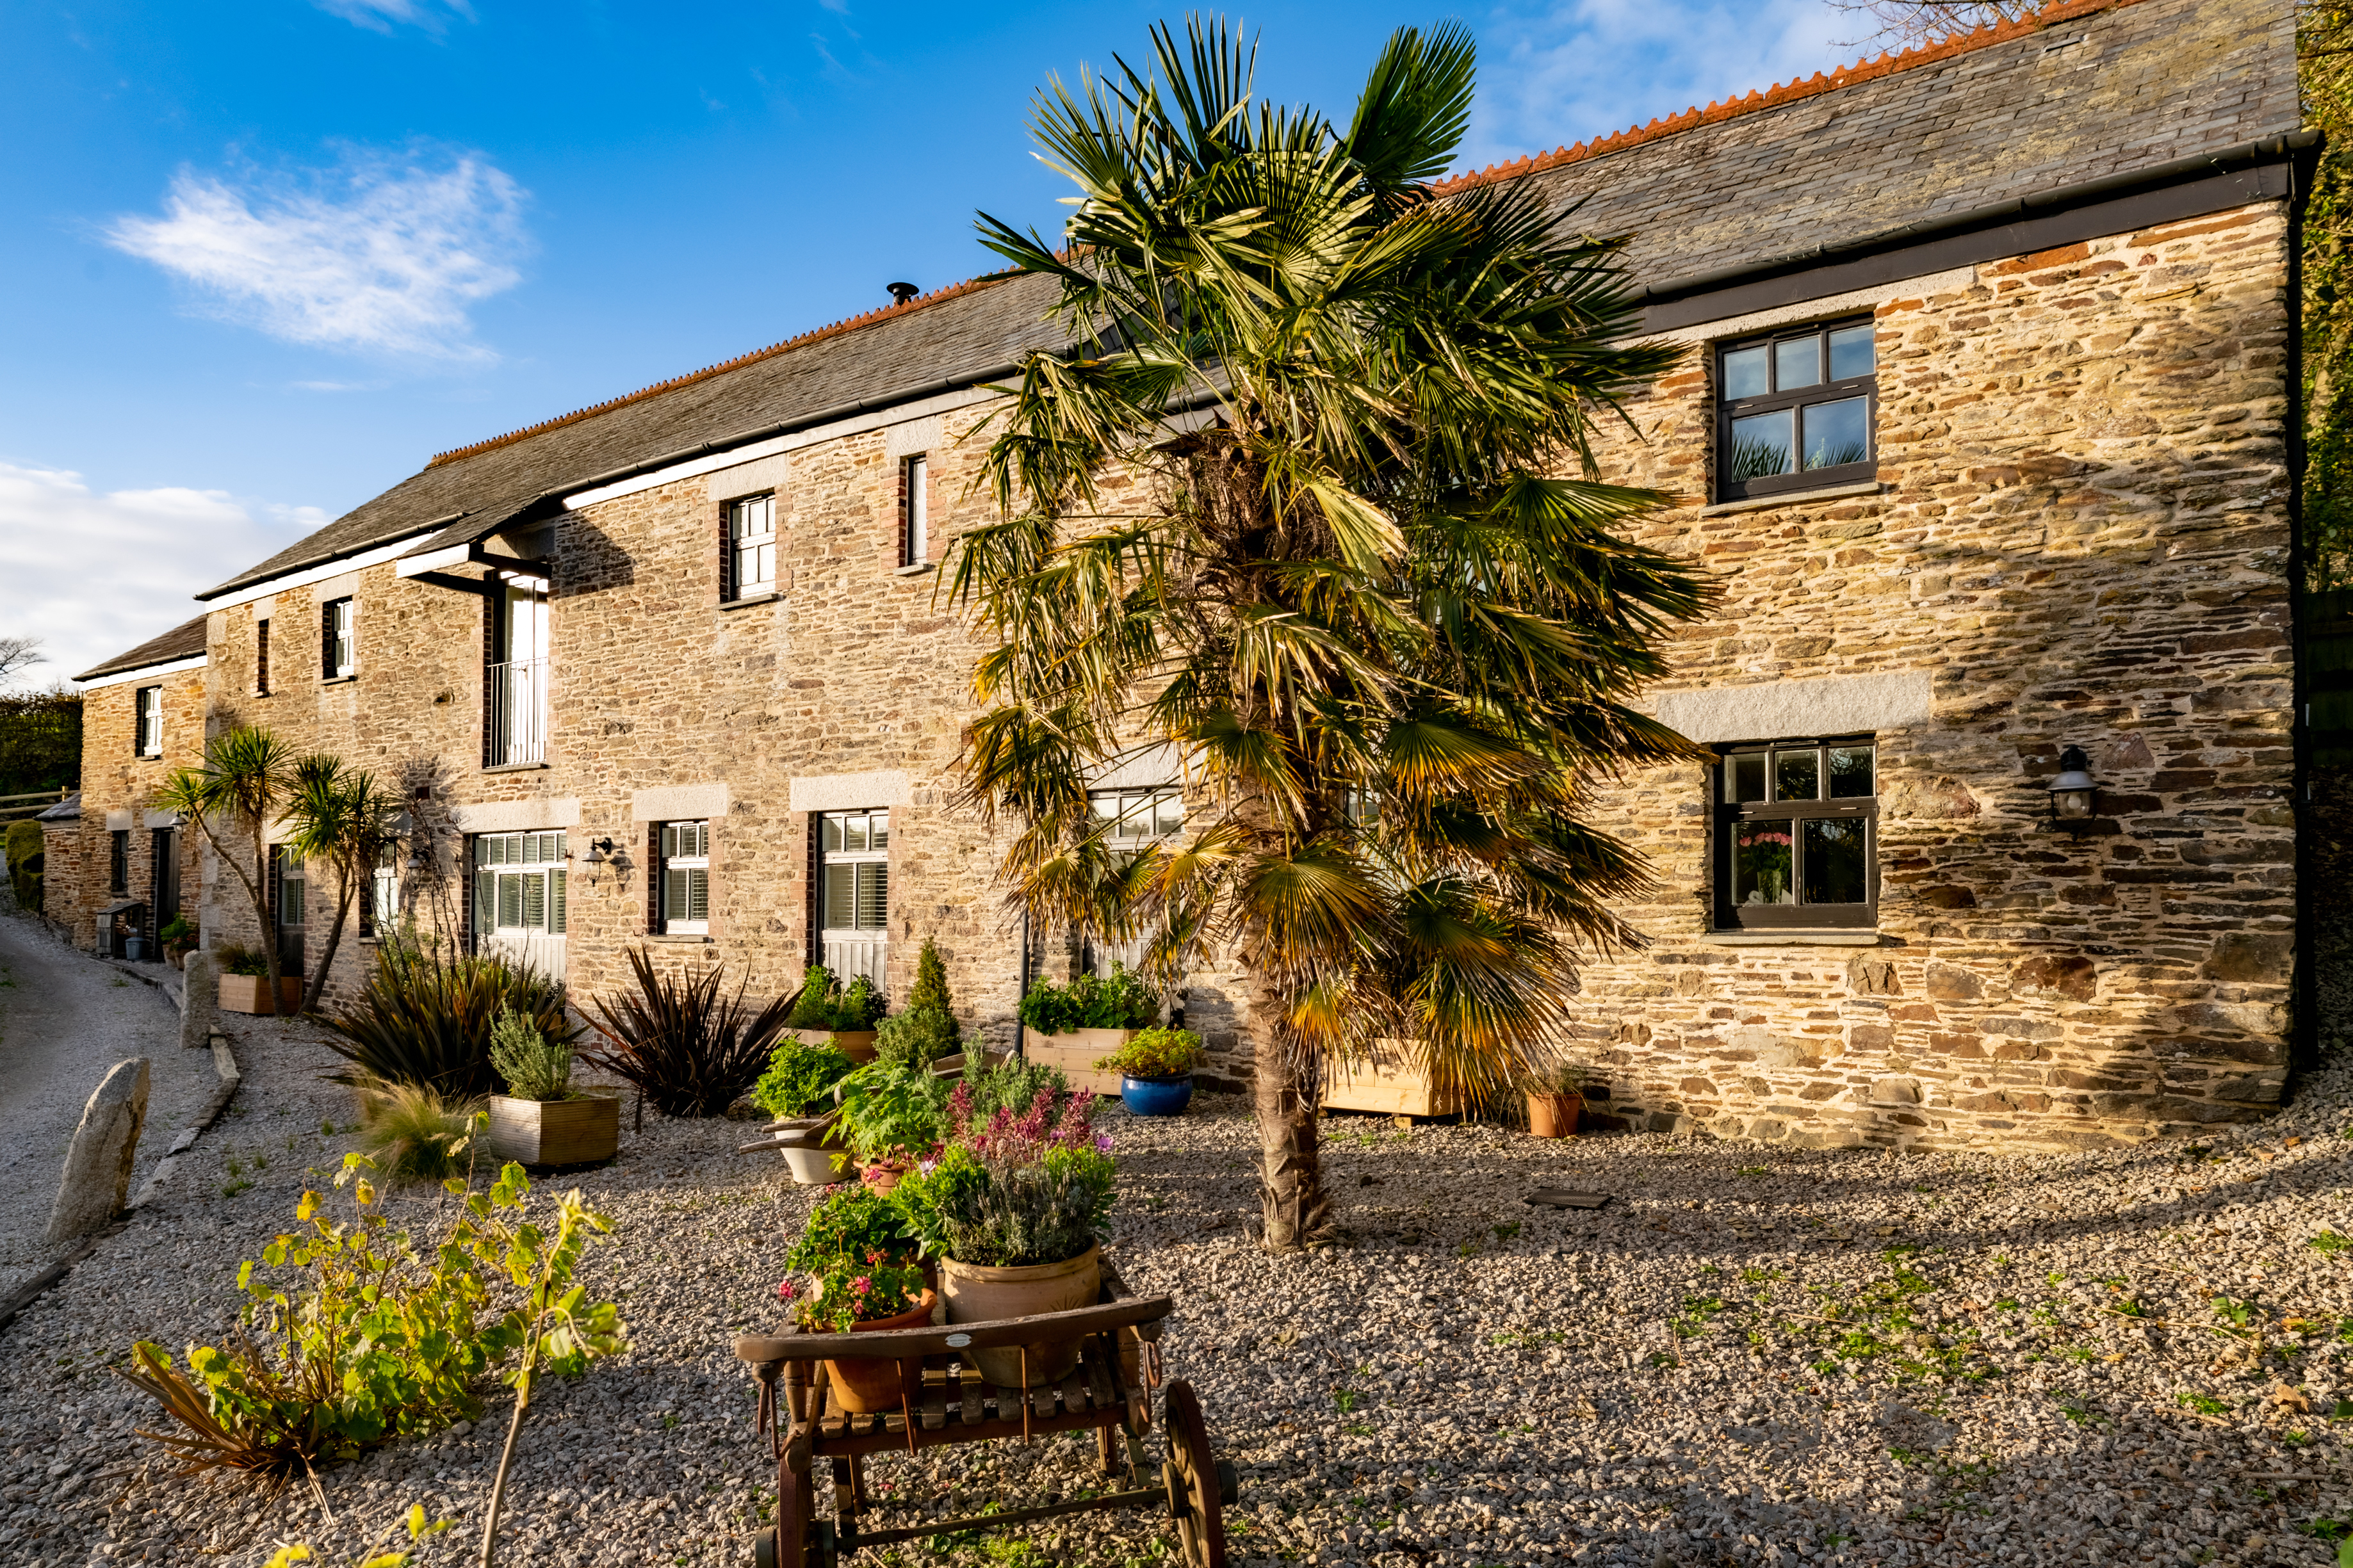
[2263, 150]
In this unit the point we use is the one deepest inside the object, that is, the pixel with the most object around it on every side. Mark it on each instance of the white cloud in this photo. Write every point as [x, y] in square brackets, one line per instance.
[95, 574]
[381, 16]
[384, 252]
[1557, 75]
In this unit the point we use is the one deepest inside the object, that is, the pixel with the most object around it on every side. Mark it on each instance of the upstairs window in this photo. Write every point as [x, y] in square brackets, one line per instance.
[1132, 818]
[335, 643]
[915, 511]
[148, 705]
[1795, 410]
[261, 658]
[752, 544]
[1797, 825]
[683, 872]
[380, 910]
[518, 884]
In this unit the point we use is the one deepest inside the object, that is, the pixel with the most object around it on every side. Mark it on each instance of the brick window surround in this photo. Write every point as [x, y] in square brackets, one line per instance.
[1797, 834]
[1795, 410]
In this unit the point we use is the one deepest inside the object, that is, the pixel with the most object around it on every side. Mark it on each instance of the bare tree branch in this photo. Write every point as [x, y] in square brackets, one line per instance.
[17, 654]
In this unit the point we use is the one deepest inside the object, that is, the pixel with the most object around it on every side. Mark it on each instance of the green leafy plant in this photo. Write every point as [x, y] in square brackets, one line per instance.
[26, 859]
[424, 1017]
[930, 994]
[850, 1223]
[2329, 1243]
[237, 958]
[1090, 1002]
[691, 1050]
[1155, 1053]
[533, 1064]
[177, 933]
[914, 1039]
[848, 1290]
[800, 1078]
[291, 1552]
[411, 1133]
[824, 1003]
[1013, 1085]
[890, 1113]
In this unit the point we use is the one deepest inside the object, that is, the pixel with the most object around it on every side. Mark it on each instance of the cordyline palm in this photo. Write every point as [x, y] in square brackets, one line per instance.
[242, 785]
[339, 818]
[1288, 507]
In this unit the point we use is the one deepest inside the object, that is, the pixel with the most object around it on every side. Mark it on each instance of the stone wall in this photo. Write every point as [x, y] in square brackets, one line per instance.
[116, 788]
[2080, 537]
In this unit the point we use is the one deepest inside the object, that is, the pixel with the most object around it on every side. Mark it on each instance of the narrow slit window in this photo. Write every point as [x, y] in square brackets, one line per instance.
[261, 658]
[336, 655]
[915, 511]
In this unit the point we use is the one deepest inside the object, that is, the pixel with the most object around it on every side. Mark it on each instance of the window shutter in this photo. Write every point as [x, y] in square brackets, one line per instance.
[873, 895]
[698, 895]
[510, 901]
[810, 904]
[555, 902]
[534, 901]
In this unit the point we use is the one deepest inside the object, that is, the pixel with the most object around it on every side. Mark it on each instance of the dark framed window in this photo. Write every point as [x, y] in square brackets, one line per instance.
[683, 850]
[118, 861]
[149, 701]
[261, 658]
[751, 546]
[914, 511]
[336, 644]
[1796, 409]
[1798, 834]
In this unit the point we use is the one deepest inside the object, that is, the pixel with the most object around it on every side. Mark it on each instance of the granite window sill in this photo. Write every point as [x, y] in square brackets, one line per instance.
[692, 937]
[514, 767]
[339, 679]
[1792, 498]
[745, 602]
[1848, 936]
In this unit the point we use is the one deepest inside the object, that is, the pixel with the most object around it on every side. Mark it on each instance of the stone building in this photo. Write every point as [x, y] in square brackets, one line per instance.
[113, 865]
[1984, 426]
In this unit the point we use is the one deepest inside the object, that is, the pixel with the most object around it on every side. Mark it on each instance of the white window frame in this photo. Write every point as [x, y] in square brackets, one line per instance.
[1140, 816]
[521, 874]
[384, 892]
[752, 545]
[855, 845]
[915, 518]
[339, 644]
[683, 891]
[148, 706]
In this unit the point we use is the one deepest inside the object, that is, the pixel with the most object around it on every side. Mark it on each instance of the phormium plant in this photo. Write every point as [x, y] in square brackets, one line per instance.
[691, 1049]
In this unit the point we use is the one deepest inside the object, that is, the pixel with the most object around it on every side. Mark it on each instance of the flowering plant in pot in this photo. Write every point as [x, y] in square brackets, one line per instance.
[857, 1252]
[1156, 1070]
[1014, 1208]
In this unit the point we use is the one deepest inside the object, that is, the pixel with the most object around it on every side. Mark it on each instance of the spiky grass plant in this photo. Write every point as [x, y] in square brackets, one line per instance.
[412, 1133]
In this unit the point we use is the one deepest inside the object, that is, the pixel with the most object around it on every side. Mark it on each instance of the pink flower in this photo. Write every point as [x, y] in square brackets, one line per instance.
[1103, 1141]
[786, 1290]
[861, 1285]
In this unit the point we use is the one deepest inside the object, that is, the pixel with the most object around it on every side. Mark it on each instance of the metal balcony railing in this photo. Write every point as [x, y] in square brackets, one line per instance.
[517, 708]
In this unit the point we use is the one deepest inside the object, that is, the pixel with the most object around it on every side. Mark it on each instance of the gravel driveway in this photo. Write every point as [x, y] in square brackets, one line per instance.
[66, 1019]
[1750, 1356]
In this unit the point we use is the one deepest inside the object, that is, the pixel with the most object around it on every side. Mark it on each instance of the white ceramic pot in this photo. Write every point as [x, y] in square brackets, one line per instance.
[816, 1164]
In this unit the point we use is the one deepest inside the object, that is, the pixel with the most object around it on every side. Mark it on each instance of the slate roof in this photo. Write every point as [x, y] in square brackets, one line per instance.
[2085, 89]
[186, 640]
[66, 810]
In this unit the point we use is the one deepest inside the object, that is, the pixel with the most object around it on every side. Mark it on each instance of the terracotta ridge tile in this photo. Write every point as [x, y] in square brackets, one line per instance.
[1787, 92]
[852, 324]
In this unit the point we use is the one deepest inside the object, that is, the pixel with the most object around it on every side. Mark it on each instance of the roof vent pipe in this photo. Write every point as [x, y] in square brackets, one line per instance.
[902, 293]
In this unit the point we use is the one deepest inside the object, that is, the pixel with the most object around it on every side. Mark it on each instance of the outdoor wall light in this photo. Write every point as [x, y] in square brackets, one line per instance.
[602, 854]
[419, 860]
[2072, 793]
[599, 851]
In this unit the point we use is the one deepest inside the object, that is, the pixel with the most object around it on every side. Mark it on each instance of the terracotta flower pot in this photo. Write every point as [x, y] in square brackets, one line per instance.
[1555, 1115]
[865, 1386]
[978, 1294]
[882, 1177]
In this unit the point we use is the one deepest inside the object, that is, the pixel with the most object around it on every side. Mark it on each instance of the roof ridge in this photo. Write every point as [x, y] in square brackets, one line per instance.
[802, 340]
[1791, 92]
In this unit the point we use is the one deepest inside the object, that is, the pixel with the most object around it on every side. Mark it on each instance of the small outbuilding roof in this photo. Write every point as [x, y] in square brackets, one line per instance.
[186, 640]
[66, 810]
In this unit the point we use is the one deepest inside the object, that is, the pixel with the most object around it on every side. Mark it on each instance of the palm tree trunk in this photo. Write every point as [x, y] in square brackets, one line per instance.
[1291, 1169]
[334, 940]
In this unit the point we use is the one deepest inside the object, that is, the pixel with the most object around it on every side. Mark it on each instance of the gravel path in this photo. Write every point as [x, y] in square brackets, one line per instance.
[65, 1018]
[1750, 1356]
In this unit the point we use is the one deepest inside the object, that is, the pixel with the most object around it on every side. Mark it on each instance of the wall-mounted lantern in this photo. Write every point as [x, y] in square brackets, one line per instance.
[600, 854]
[2073, 793]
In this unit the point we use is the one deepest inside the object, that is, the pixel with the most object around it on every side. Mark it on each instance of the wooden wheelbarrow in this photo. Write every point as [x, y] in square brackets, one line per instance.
[943, 1402]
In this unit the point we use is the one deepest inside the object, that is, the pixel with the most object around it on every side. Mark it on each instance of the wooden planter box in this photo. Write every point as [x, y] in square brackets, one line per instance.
[242, 994]
[1388, 1083]
[858, 1045]
[554, 1132]
[1075, 1054]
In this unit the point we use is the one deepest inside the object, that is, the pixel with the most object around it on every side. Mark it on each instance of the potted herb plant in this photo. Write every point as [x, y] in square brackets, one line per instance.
[244, 972]
[864, 1278]
[891, 1115]
[798, 1086]
[179, 938]
[1555, 1103]
[828, 1012]
[542, 1119]
[1070, 1025]
[1014, 1210]
[1156, 1070]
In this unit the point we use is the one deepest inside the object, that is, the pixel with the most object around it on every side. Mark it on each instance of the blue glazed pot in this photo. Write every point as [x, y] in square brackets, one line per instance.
[1156, 1096]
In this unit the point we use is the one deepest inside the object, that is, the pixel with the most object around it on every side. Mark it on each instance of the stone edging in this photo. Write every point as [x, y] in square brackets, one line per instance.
[225, 1065]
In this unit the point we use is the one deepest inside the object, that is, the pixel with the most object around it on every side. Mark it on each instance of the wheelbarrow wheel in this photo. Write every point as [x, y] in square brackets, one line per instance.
[1197, 1484]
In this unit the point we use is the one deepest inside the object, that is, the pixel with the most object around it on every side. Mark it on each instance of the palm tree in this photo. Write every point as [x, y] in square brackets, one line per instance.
[341, 819]
[243, 785]
[1291, 506]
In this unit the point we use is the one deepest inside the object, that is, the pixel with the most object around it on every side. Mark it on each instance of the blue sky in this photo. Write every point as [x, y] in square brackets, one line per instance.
[258, 261]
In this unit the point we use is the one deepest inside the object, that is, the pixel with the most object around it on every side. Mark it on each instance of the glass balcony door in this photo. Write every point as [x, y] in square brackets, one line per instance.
[516, 699]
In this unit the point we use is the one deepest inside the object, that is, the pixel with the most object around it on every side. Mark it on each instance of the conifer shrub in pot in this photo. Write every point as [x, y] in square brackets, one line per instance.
[863, 1276]
[542, 1119]
[1156, 1070]
[1014, 1208]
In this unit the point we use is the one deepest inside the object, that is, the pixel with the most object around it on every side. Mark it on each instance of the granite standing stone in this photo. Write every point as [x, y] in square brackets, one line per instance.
[199, 1002]
[97, 1165]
